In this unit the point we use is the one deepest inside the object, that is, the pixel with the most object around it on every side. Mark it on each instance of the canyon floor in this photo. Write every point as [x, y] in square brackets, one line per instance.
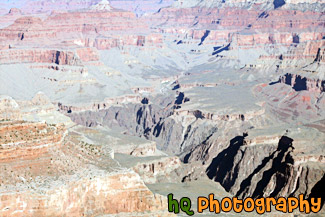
[107, 107]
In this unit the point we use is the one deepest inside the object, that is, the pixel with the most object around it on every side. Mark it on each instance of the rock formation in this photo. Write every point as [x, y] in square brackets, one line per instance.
[47, 164]
[103, 5]
[14, 12]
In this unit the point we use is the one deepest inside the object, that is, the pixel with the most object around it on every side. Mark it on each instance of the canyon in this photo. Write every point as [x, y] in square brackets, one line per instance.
[106, 107]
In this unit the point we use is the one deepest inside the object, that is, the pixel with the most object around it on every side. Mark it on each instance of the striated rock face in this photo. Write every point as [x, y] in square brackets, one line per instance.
[108, 102]
[64, 27]
[57, 169]
[275, 171]
[139, 6]
[13, 56]
[148, 6]
[26, 28]
[298, 82]
[214, 18]
[122, 41]
[103, 194]
[88, 54]
[118, 20]
[258, 165]
[20, 140]
[152, 122]
[242, 3]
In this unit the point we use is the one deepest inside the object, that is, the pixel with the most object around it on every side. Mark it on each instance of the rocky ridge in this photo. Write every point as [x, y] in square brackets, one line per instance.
[55, 165]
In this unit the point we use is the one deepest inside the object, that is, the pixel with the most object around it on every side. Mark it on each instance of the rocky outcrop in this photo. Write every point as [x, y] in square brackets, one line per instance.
[139, 7]
[119, 192]
[125, 40]
[152, 122]
[14, 12]
[216, 117]
[307, 55]
[26, 28]
[9, 109]
[98, 28]
[252, 4]
[87, 54]
[115, 22]
[152, 171]
[108, 102]
[262, 165]
[259, 170]
[103, 5]
[301, 105]
[14, 56]
[299, 82]
[47, 165]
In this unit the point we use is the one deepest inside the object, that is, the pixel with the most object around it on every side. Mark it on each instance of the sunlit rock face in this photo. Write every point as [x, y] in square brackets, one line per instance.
[140, 7]
[103, 5]
[49, 165]
[61, 5]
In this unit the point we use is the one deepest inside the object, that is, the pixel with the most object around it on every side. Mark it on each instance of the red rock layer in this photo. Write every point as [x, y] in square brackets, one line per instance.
[299, 82]
[247, 27]
[26, 28]
[21, 140]
[104, 194]
[13, 56]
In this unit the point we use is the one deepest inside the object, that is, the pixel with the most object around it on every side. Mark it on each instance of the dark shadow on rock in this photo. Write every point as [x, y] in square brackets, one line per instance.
[139, 115]
[247, 182]
[206, 34]
[198, 114]
[221, 49]
[224, 162]
[206, 142]
[277, 166]
[295, 39]
[318, 191]
[145, 101]
[187, 157]
[275, 82]
[301, 84]
[263, 15]
[278, 3]
[157, 129]
[177, 86]
[179, 98]
[57, 56]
